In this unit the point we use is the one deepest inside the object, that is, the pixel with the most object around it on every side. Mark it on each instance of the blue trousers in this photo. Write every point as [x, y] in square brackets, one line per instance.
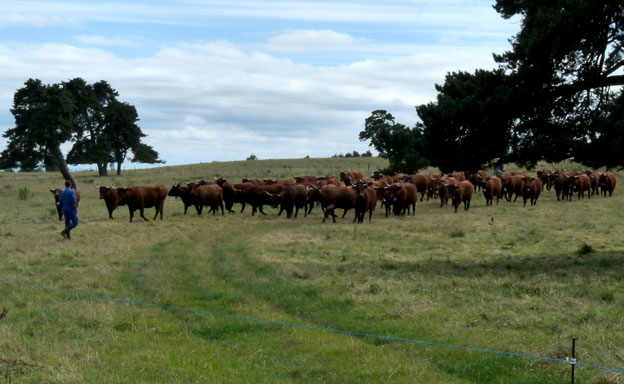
[71, 219]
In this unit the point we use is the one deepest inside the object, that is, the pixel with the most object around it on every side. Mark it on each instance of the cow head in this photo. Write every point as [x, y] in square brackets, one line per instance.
[57, 193]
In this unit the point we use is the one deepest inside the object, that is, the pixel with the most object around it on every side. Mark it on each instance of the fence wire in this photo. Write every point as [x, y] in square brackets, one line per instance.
[303, 326]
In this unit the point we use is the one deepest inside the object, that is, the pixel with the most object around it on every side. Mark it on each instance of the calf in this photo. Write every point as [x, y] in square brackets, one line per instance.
[57, 193]
[492, 188]
[531, 189]
[463, 193]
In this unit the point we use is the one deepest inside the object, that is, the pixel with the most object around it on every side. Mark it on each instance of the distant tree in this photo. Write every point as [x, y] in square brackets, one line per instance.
[44, 120]
[367, 154]
[403, 147]
[252, 157]
[469, 124]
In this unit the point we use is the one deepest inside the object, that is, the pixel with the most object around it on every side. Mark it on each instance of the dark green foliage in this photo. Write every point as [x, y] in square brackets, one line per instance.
[252, 157]
[403, 147]
[607, 141]
[43, 121]
[564, 59]
[469, 124]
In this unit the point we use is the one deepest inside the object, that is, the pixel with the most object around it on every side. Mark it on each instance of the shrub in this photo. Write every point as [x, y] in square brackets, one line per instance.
[585, 249]
[24, 193]
[252, 157]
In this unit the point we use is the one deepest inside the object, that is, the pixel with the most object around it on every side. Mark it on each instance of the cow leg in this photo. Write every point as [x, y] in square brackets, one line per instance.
[345, 212]
[142, 211]
[131, 213]
[280, 211]
[296, 211]
[243, 208]
[221, 205]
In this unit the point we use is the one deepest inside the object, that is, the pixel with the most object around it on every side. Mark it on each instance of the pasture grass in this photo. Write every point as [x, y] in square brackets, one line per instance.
[507, 278]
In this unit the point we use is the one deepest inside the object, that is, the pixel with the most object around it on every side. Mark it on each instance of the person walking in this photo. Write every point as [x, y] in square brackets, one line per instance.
[69, 204]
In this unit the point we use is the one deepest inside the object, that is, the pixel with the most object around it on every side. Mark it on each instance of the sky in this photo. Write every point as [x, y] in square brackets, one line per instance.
[220, 80]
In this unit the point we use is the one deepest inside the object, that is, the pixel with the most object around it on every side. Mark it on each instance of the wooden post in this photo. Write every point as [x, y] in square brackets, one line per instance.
[573, 357]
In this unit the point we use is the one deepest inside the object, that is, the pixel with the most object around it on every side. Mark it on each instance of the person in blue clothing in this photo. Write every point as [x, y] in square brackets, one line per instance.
[69, 204]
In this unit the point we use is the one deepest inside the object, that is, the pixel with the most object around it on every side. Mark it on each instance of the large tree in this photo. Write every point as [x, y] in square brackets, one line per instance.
[469, 123]
[44, 120]
[90, 103]
[103, 129]
[565, 61]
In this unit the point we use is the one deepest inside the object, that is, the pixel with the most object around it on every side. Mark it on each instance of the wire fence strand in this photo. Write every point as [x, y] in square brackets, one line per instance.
[303, 326]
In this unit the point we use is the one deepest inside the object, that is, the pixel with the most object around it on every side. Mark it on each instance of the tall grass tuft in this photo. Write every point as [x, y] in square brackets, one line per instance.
[585, 249]
[24, 193]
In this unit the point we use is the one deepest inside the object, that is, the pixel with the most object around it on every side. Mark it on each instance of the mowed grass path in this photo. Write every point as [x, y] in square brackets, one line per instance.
[508, 278]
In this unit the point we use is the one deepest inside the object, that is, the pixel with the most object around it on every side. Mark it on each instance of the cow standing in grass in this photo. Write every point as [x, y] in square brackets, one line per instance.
[139, 198]
[531, 189]
[492, 188]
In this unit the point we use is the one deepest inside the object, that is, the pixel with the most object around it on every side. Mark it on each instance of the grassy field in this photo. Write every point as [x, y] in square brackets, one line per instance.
[506, 278]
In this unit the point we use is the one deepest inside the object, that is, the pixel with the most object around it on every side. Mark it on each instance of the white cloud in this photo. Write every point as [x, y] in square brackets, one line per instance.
[213, 101]
[34, 20]
[106, 41]
[309, 40]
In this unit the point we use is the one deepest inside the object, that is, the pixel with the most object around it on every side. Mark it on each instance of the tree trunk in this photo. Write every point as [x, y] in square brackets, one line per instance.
[65, 169]
[119, 168]
[102, 169]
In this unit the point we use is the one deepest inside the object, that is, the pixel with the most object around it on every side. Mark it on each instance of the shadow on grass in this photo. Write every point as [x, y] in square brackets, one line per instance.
[559, 265]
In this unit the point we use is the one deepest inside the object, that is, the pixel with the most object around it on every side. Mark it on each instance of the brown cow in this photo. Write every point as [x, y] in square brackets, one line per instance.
[348, 177]
[292, 196]
[57, 193]
[306, 179]
[463, 193]
[110, 195]
[404, 197]
[256, 196]
[143, 197]
[445, 187]
[594, 177]
[511, 185]
[492, 188]
[184, 193]
[562, 184]
[477, 179]
[422, 183]
[607, 183]
[207, 195]
[531, 189]
[582, 184]
[365, 200]
[337, 197]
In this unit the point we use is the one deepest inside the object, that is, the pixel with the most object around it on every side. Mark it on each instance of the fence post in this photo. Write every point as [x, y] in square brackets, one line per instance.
[573, 357]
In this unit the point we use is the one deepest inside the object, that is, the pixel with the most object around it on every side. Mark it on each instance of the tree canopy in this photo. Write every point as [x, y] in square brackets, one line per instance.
[403, 147]
[556, 95]
[103, 129]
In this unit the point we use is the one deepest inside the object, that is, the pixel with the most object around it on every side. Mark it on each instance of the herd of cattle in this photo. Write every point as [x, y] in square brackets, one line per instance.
[397, 194]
